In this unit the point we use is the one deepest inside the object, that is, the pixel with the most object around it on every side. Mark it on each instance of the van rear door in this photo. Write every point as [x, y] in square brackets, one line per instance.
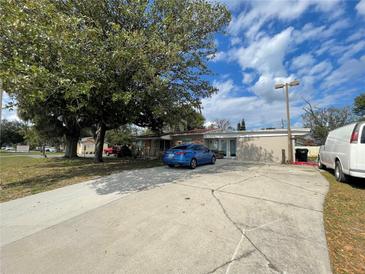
[358, 162]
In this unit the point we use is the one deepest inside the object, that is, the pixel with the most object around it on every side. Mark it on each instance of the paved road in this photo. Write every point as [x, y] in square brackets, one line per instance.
[228, 218]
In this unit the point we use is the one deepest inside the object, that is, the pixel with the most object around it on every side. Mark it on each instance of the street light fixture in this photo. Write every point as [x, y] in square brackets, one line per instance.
[286, 85]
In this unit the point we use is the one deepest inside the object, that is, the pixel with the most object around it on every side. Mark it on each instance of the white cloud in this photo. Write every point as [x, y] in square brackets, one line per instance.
[256, 110]
[321, 69]
[352, 49]
[303, 60]
[352, 70]
[247, 78]
[258, 13]
[224, 88]
[235, 41]
[359, 34]
[8, 114]
[265, 55]
[311, 32]
[360, 7]
[219, 56]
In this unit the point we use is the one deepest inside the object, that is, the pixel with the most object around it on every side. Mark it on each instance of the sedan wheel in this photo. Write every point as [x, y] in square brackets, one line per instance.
[213, 160]
[193, 164]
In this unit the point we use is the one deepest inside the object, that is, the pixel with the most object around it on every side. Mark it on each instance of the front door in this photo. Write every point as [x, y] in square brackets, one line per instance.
[223, 147]
[232, 148]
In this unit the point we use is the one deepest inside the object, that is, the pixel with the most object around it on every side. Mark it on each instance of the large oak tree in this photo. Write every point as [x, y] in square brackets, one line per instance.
[106, 63]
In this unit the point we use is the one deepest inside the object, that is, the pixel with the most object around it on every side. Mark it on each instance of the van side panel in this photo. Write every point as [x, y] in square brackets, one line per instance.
[338, 147]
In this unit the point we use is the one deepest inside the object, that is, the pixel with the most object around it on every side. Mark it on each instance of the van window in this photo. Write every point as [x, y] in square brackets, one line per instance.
[363, 135]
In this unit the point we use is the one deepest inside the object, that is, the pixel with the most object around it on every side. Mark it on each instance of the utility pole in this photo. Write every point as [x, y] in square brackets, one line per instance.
[290, 144]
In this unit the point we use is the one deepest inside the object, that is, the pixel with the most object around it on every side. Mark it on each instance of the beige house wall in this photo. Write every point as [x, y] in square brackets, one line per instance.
[262, 149]
[87, 148]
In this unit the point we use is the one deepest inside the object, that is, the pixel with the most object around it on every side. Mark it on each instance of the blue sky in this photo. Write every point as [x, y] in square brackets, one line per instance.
[319, 42]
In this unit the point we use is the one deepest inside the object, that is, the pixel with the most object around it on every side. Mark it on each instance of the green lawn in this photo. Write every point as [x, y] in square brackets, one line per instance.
[11, 153]
[344, 218]
[23, 175]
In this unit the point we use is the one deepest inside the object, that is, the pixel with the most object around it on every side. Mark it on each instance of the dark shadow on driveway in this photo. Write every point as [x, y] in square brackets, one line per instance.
[138, 180]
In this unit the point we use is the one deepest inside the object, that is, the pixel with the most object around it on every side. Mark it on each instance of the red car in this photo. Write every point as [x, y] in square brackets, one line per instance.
[117, 150]
[111, 150]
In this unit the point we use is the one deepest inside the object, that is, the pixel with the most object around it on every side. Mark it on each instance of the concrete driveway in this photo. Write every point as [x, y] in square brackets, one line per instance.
[229, 218]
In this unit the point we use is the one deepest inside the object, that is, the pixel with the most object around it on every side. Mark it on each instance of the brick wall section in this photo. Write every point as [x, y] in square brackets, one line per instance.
[196, 139]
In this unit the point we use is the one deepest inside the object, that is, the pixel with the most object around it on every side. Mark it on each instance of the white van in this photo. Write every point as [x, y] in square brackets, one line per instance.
[344, 151]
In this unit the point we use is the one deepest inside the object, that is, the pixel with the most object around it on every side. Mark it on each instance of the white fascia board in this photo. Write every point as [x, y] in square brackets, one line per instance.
[295, 132]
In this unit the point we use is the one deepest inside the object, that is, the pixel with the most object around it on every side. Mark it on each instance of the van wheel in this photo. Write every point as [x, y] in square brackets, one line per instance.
[193, 163]
[340, 176]
[171, 165]
[213, 160]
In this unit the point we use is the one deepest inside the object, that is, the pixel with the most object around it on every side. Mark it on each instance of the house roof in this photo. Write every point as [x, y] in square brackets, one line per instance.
[87, 140]
[197, 131]
[257, 133]
[148, 137]
[168, 136]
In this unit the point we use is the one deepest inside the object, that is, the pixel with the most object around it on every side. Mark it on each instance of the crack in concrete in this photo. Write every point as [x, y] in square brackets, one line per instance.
[266, 224]
[236, 183]
[251, 197]
[244, 255]
[269, 200]
[303, 188]
[270, 263]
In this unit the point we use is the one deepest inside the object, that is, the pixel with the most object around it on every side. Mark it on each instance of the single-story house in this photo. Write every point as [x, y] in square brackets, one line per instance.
[151, 146]
[87, 146]
[257, 145]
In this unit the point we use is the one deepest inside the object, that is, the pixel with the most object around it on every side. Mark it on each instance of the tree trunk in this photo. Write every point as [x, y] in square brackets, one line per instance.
[71, 146]
[100, 136]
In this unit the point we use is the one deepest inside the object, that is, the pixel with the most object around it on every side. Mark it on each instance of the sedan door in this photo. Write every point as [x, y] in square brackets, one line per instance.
[198, 154]
[207, 155]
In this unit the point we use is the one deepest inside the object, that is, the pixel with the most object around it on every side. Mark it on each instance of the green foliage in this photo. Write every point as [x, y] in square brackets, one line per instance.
[46, 64]
[33, 138]
[37, 138]
[11, 132]
[119, 136]
[359, 106]
[184, 118]
[241, 125]
[76, 63]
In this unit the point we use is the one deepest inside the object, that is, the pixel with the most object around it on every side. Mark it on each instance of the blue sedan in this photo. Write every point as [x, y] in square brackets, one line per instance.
[190, 155]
